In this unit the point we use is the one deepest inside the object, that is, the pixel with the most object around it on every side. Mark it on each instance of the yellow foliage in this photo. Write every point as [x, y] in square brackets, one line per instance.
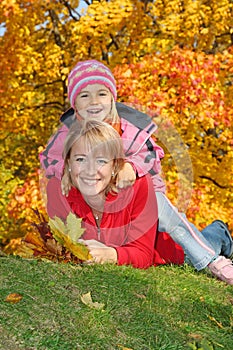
[191, 87]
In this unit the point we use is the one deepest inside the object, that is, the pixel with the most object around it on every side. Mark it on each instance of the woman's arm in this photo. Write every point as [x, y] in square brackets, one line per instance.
[138, 250]
[139, 253]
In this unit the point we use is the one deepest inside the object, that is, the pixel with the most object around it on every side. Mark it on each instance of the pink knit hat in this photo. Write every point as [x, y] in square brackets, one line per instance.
[89, 72]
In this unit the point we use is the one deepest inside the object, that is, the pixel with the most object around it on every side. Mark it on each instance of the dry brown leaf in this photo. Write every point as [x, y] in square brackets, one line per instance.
[33, 239]
[53, 246]
[13, 298]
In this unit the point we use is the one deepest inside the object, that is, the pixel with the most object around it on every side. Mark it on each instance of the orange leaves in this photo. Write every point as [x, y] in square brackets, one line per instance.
[181, 79]
[191, 91]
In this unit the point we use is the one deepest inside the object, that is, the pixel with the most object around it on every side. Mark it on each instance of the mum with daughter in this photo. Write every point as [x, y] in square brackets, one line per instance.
[136, 183]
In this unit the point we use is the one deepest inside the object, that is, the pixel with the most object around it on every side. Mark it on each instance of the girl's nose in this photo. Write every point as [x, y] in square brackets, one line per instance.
[94, 99]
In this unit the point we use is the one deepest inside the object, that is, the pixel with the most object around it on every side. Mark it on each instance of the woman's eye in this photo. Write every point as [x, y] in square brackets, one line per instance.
[102, 161]
[80, 159]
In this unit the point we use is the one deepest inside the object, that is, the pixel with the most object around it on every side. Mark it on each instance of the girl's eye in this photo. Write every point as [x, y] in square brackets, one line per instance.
[83, 96]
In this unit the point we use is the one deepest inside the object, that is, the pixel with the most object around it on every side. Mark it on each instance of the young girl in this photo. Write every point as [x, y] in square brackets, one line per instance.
[92, 94]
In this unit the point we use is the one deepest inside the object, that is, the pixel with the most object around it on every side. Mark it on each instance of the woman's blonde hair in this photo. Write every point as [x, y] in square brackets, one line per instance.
[97, 134]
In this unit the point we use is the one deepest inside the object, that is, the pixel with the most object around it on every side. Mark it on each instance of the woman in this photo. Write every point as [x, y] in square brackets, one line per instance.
[121, 227]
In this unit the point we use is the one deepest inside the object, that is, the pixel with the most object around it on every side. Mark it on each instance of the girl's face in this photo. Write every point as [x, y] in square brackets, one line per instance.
[91, 171]
[94, 101]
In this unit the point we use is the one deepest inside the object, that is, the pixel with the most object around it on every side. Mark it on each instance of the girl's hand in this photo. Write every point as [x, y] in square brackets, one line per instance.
[100, 252]
[126, 176]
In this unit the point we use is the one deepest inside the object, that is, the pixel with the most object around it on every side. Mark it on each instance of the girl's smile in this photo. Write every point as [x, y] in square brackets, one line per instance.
[94, 101]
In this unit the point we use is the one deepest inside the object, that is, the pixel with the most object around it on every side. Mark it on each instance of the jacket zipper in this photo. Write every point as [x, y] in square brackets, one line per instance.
[98, 232]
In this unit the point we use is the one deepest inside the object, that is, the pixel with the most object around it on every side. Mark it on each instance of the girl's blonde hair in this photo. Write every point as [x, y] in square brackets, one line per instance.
[113, 118]
[96, 134]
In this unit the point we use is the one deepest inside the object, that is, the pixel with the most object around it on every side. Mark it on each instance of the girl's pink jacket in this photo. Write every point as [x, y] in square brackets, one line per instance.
[140, 149]
[129, 224]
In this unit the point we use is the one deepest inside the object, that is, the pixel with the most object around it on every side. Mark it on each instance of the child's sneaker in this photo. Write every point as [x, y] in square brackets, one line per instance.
[222, 268]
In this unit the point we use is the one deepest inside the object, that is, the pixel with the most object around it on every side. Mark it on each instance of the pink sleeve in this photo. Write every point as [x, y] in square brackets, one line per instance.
[143, 153]
[57, 204]
[51, 158]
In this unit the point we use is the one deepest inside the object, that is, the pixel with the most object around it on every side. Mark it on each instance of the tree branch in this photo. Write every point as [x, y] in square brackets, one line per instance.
[212, 180]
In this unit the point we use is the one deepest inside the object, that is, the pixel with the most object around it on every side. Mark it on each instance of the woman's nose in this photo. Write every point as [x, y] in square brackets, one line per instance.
[91, 167]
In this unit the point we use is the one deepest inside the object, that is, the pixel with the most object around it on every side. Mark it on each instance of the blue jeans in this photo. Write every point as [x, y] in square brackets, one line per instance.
[200, 248]
[219, 237]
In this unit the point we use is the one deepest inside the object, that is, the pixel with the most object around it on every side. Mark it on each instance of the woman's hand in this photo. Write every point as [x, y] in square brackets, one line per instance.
[126, 176]
[100, 252]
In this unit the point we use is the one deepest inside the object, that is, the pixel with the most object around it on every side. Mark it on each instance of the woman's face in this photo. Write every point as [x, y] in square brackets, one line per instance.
[94, 102]
[91, 171]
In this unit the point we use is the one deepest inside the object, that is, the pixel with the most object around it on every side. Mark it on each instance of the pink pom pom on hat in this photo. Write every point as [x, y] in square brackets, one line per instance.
[89, 72]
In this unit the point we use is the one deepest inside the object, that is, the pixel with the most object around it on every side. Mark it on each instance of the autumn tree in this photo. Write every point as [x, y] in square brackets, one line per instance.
[183, 92]
[189, 46]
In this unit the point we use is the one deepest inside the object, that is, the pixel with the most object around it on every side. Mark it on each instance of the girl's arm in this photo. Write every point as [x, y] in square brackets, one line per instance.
[143, 153]
[51, 158]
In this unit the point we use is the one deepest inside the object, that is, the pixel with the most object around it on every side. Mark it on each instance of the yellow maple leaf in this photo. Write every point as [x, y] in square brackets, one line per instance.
[67, 234]
[74, 228]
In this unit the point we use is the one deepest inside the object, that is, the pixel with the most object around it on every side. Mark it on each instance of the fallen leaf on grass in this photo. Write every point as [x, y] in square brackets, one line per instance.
[13, 298]
[124, 348]
[87, 300]
[219, 324]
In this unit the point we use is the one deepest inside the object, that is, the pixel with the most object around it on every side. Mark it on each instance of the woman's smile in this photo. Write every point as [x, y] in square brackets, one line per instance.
[89, 182]
[91, 172]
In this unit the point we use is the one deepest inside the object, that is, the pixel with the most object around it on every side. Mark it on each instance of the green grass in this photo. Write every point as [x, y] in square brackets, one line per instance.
[167, 307]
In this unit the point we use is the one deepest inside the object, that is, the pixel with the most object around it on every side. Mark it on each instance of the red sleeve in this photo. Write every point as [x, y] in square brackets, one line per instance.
[57, 204]
[140, 252]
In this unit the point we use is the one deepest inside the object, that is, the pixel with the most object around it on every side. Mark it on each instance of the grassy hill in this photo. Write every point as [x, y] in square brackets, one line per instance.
[167, 307]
